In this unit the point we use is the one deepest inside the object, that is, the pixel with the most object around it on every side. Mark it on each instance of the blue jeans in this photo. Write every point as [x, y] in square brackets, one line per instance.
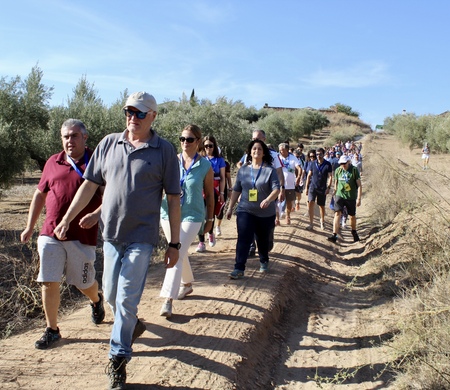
[250, 226]
[124, 273]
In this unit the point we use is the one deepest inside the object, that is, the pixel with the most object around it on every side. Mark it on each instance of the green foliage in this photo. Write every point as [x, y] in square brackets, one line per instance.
[24, 121]
[291, 125]
[414, 130]
[346, 110]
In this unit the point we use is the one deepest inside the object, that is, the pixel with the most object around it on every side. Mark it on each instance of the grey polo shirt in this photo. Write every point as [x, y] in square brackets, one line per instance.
[134, 181]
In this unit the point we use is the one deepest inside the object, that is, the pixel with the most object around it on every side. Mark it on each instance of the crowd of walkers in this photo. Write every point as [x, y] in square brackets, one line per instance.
[134, 182]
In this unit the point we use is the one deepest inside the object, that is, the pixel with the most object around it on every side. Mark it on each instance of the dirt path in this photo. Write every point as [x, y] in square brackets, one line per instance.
[308, 317]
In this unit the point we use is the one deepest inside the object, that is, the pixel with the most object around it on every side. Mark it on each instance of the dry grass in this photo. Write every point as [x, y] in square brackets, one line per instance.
[413, 214]
[20, 294]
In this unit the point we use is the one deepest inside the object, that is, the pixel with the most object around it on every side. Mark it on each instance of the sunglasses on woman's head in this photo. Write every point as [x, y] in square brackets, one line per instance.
[189, 140]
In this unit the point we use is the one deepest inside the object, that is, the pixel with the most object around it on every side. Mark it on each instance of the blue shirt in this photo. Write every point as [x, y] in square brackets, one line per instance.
[193, 205]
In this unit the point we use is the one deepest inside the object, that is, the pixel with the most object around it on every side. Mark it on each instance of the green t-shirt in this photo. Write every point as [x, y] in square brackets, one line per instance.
[347, 187]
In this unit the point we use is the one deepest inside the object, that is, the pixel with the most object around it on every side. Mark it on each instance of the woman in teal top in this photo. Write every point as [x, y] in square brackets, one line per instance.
[196, 180]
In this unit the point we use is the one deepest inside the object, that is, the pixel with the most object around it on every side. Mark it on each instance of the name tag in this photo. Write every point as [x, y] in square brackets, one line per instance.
[253, 195]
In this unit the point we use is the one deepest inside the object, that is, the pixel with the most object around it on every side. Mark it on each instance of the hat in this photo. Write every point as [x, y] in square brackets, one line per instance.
[344, 160]
[143, 101]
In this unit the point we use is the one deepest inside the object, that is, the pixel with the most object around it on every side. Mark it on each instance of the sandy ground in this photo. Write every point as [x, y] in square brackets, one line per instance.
[305, 322]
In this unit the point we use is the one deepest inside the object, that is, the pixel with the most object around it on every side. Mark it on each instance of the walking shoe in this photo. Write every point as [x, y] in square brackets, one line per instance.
[252, 251]
[237, 274]
[201, 247]
[322, 225]
[185, 290]
[212, 240]
[309, 227]
[218, 231]
[139, 328]
[333, 238]
[166, 309]
[117, 373]
[355, 236]
[49, 337]
[264, 267]
[98, 310]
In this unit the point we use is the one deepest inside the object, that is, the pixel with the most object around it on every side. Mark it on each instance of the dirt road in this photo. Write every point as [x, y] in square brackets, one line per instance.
[305, 322]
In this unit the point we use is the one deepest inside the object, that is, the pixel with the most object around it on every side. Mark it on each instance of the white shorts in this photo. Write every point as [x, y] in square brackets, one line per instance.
[425, 156]
[75, 258]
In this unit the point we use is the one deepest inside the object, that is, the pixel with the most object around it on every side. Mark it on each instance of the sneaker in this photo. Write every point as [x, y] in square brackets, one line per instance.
[212, 240]
[264, 267]
[237, 274]
[166, 309]
[139, 329]
[49, 337]
[117, 373]
[218, 231]
[333, 238]
[98, 311]
[201, 247]
[309, 227]
[252, 251]
[322, 225]
[355, 236]
[185, 290]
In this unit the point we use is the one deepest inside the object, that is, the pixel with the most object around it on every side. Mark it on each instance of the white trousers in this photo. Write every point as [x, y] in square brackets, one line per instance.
[181, 273]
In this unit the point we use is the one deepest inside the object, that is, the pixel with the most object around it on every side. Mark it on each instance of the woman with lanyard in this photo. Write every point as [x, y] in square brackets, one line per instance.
[258, 188]
[211, 152]
[196, 179]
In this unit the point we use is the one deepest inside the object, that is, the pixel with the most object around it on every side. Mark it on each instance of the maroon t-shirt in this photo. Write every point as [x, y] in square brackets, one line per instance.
[60, 181]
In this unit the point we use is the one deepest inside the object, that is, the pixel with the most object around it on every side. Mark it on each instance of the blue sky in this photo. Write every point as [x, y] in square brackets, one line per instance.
[377, 56]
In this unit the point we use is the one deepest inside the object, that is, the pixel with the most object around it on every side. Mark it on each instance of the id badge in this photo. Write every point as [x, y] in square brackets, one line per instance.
[253, 195]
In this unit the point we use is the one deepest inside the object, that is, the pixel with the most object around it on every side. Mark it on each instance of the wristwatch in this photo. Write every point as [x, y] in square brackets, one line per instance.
[176, 246]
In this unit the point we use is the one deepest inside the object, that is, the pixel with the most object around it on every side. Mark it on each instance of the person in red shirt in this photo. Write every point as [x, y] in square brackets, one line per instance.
[60, 180]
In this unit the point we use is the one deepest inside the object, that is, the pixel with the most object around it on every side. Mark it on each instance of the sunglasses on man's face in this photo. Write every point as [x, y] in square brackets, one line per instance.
[139, 114]
[189, 140]
[208, 146]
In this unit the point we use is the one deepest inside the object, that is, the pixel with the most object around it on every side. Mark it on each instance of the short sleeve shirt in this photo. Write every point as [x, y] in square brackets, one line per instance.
[193, 207]
[265, 184]
[60, 182]
[320, 173]
[289, 164]
[134, 181]
[347, 187]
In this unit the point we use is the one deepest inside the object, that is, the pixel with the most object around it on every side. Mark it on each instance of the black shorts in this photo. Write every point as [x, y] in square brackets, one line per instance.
[339, 204]
[316, 196]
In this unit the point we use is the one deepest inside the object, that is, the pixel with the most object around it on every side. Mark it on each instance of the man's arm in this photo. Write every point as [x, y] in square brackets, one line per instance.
[36, 206]
[280, 174]
[358, 199]
[171, 255]
[79, 202]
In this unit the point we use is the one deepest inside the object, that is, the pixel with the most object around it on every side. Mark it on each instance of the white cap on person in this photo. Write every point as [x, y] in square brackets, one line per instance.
[143, 101]
[344, 159]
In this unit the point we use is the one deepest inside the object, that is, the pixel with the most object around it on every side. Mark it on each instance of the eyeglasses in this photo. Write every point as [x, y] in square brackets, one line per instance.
[207, 146]
[189, 140]
[139, 114]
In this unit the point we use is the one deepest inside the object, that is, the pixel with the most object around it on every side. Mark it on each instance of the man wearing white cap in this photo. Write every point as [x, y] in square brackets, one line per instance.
[348, 191]
[135, 167]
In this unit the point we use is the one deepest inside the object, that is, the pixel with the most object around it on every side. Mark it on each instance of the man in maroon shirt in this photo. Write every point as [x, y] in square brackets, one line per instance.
[61, 178]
